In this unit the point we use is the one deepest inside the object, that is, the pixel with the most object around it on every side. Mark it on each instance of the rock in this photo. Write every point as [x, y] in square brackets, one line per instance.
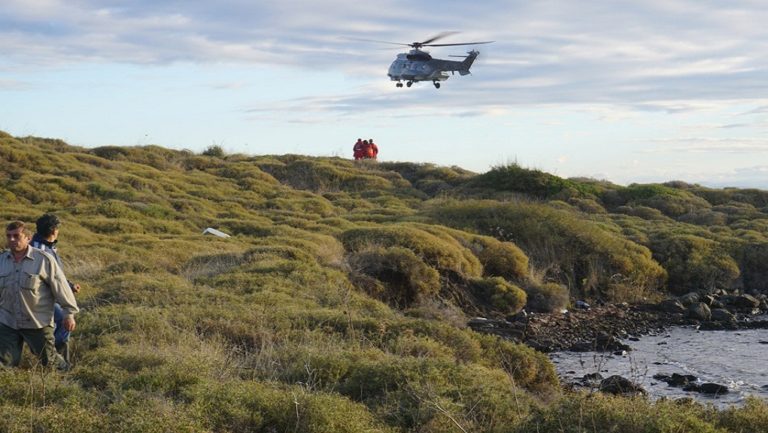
[717, 304]
[671, 306]
[592, 379]
[478, 321]
[741, 302]
[689, 298]
[722, 315]
[609, 343]
[692, 387]
[699, 311]
[582, 305]
[708, 299]
[681, 379]
[581, 346]
[620, 386]
[675, 379]
[522, 316]
[593, 376]
[713, 388]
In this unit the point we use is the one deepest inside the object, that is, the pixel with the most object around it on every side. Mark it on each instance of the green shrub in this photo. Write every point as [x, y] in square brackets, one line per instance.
[546, 297]
[503, 296]
[513, 177]
[580, 253]
[405, 276]
[526, 367]
[409, 344]
[751, 417]
[694, 263]
[581, 413]
[214, 151]
[443, 253]
[671, 202]
[137, 412]
[464, 343]
[752, 261]
[500, 259]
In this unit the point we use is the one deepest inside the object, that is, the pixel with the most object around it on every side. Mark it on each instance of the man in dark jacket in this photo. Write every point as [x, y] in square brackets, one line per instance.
[45, 238]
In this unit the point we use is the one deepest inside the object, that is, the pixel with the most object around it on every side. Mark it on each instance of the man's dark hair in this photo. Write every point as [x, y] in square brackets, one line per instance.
[46, 224]
[13, 225]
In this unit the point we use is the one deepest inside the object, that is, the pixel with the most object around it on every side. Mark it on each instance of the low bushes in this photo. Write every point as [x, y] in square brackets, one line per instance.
[546, 297]
[503, 296]
[405, 277]
[443, 253]
[583, 255]
[694, 263]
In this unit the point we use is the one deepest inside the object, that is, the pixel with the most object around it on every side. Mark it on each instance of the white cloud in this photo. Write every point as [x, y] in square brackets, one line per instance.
[710, 145]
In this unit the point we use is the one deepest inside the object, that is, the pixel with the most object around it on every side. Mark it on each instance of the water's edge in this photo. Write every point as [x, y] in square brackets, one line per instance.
[736, 359]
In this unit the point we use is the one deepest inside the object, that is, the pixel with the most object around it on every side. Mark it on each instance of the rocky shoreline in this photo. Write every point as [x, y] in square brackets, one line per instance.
[604, 328]
[601, 328]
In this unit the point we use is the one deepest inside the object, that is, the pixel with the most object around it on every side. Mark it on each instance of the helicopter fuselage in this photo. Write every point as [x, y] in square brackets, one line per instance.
[418, 65]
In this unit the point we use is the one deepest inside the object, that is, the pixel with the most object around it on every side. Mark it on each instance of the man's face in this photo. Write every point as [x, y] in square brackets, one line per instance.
[17, 240]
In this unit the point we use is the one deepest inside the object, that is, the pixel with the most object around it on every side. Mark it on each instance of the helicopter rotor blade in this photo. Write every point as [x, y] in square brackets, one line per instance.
[377, 41]
[436, 37]
[465, 43]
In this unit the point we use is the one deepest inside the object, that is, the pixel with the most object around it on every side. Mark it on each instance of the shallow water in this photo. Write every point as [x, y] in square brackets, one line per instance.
[737, 359]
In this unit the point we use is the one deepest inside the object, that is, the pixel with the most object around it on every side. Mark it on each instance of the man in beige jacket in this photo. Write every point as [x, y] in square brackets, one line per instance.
[31, 281]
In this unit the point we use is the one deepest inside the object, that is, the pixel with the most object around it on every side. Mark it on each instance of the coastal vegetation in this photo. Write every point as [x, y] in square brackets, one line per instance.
[340, 301]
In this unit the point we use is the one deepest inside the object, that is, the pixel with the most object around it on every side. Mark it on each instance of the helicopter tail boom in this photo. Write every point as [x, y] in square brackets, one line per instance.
[467, 62]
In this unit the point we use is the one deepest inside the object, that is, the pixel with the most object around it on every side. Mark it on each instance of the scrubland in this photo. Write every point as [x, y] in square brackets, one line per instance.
[339, 303]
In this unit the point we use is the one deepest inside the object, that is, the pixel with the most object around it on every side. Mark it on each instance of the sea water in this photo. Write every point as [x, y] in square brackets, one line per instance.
[736, 359]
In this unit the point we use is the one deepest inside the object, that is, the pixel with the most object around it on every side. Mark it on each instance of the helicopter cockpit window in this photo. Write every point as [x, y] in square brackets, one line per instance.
[420, 57]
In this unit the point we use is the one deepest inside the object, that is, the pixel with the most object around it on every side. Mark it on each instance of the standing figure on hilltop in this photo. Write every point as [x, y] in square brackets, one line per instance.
[373, 149]
[357, 150]
[30, 282]
[45, 238]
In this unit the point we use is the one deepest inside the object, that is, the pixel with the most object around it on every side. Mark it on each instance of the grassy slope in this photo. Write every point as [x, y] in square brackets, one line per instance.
[339, 302]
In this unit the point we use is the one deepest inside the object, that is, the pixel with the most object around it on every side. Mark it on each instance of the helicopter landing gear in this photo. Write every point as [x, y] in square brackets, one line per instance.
[437, 85]
[399, 84]
[409, 84]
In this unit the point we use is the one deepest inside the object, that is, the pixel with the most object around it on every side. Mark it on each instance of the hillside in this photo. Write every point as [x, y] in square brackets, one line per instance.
[340, 302]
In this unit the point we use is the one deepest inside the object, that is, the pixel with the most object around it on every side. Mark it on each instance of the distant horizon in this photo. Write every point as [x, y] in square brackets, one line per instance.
[708, 184]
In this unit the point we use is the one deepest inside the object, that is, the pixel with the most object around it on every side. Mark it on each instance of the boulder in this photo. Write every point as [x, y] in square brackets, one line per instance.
[722, 315]
[675, 379]
[713, 388]
[592, 379]
[620, 386]
[671, 306]
[741, 302]
[609, 343]
[681, 379]
[706, 388]
[689, 298]
[699, 311]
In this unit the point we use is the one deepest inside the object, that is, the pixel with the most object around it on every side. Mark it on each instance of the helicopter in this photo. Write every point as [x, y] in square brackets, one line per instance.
[417, 65]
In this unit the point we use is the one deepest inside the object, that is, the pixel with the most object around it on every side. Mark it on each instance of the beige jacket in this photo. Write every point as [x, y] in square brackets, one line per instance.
[28, 290]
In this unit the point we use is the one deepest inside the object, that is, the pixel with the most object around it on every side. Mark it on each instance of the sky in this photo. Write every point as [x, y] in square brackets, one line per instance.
[624, 91]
